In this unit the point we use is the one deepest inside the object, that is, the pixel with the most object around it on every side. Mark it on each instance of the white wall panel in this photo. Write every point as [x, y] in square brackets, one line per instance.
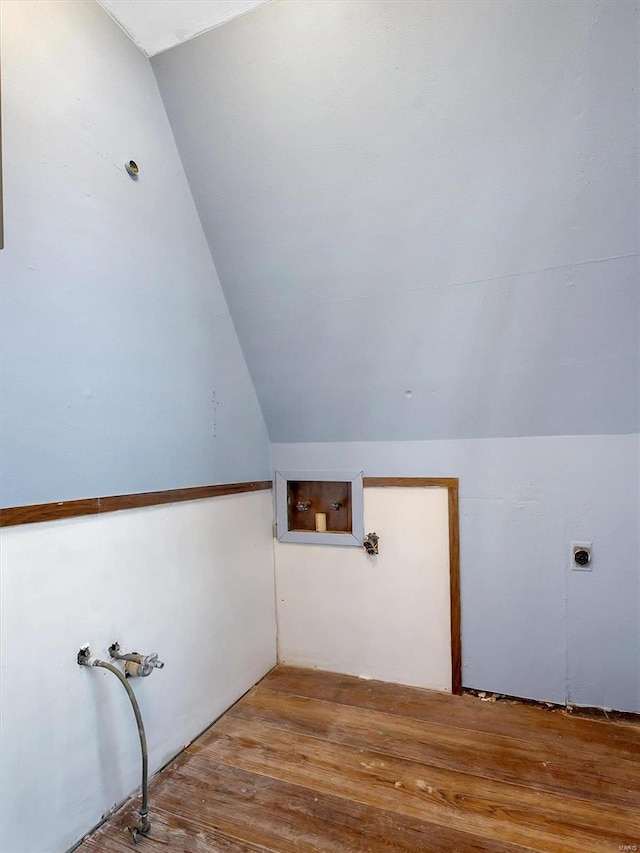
[384, 617]
[192, 581]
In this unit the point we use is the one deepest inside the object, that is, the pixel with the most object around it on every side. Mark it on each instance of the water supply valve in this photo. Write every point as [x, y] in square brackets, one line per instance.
[135, 664]
[142, 667]
[370, 544]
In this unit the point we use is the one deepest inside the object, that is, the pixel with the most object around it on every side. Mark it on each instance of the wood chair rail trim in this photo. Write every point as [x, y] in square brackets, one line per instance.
[34, 513]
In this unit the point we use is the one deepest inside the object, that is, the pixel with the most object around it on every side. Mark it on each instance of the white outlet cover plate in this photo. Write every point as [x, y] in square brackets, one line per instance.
[578, 546]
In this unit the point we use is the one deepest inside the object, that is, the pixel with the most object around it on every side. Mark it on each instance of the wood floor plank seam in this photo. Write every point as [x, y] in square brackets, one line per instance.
[605, 797]
[314, 762]
[551, 845]
[444, 726]
[232, 835]
[427, 826]
[628, 728]
[225, 727]
[511, 829]
[624, 733]
[166, 837]
[489, 778]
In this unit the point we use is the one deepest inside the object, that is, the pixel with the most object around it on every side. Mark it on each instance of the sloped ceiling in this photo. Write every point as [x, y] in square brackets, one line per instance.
[423, 215]
[156, 25]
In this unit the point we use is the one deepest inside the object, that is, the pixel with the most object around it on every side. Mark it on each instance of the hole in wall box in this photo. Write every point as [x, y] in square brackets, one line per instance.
[309, 501]
[304, 497]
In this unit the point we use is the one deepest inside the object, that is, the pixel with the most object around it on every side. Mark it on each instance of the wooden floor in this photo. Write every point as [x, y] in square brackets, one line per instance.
[310, 761]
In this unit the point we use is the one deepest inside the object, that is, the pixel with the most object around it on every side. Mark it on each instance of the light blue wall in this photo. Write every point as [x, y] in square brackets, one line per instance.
[115, 332]
[441, 197]
[430, 196]
[530, 626]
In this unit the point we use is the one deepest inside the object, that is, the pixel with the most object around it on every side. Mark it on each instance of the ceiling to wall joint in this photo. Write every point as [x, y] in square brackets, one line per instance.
[157, 25]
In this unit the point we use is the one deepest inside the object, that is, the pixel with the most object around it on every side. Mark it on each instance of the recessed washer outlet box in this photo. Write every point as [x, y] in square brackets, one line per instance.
[581, 556]
[335, 498]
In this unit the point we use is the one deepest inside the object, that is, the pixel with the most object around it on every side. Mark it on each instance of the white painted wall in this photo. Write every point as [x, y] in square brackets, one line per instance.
[384, 617]
[192, 581]
[530, 626]
[155, 27]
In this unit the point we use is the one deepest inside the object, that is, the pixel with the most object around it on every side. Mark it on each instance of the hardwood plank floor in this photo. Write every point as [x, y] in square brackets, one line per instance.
[324, 763]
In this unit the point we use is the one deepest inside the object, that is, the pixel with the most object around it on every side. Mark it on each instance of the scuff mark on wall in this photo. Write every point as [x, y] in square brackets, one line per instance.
[214, 416]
